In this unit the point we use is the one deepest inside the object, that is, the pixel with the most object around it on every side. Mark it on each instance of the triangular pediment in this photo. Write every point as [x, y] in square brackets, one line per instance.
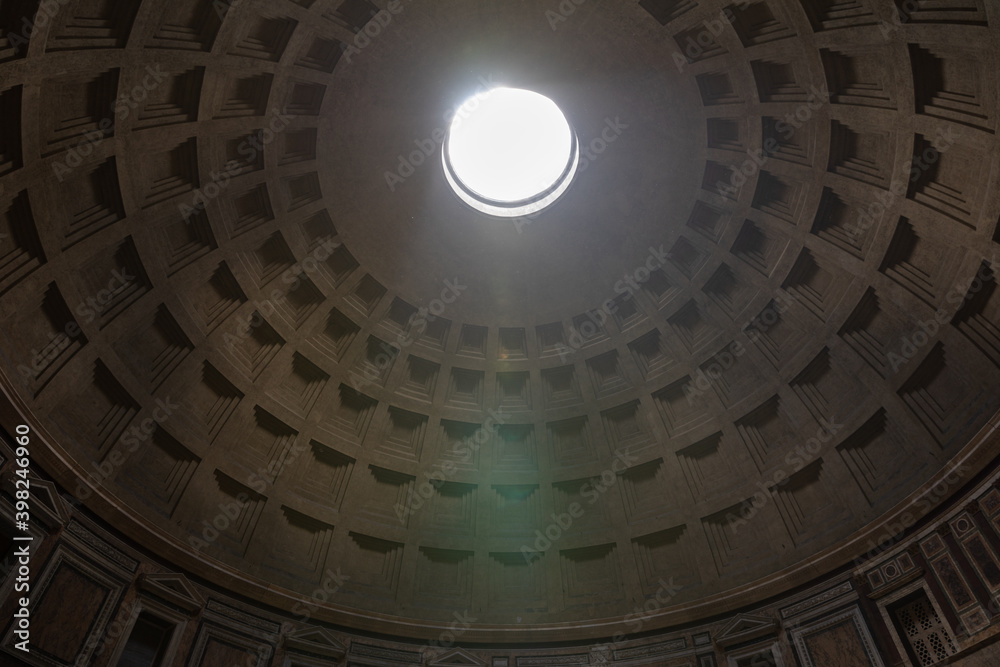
[745, 627]
[317, 641]
[173, 588]
[456, 657]
[47, 505]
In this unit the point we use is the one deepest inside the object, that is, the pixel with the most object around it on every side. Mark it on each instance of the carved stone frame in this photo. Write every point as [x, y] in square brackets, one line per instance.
[774, 646]
[160, 611]
[899, 594]
[798, 635]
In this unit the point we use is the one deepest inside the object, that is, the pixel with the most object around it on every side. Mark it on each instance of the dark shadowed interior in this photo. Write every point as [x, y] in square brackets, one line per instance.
[731, 400]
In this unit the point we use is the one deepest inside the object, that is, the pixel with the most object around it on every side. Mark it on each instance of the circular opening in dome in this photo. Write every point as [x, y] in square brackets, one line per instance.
[510, 152]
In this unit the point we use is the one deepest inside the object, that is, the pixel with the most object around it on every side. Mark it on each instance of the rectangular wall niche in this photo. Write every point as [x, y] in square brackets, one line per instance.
[761, 655]
[839, 639]
[148, 641]
[925, 637]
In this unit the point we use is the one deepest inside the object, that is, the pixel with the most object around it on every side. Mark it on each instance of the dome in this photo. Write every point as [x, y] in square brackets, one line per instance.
[255, 320]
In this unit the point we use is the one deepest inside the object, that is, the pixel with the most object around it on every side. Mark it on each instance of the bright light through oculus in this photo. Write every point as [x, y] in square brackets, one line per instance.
[510, 152]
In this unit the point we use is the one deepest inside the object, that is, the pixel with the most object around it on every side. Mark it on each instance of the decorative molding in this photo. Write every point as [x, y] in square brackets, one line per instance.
[547, 660]
[817, 600]
[315, 641]
[744, 628]
[456, 657]
[659, 648]
[243, 617]
[801, 633]
[893, 573]
[77, 530]
[66, 557]
[392, 655]
[899, 594]
[773, 648]
[157, 609]
[174, 588]
[47, 505]
[209, 631]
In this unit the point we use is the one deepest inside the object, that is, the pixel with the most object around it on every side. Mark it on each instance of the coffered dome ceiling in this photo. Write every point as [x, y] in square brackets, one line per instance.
[251, 323]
